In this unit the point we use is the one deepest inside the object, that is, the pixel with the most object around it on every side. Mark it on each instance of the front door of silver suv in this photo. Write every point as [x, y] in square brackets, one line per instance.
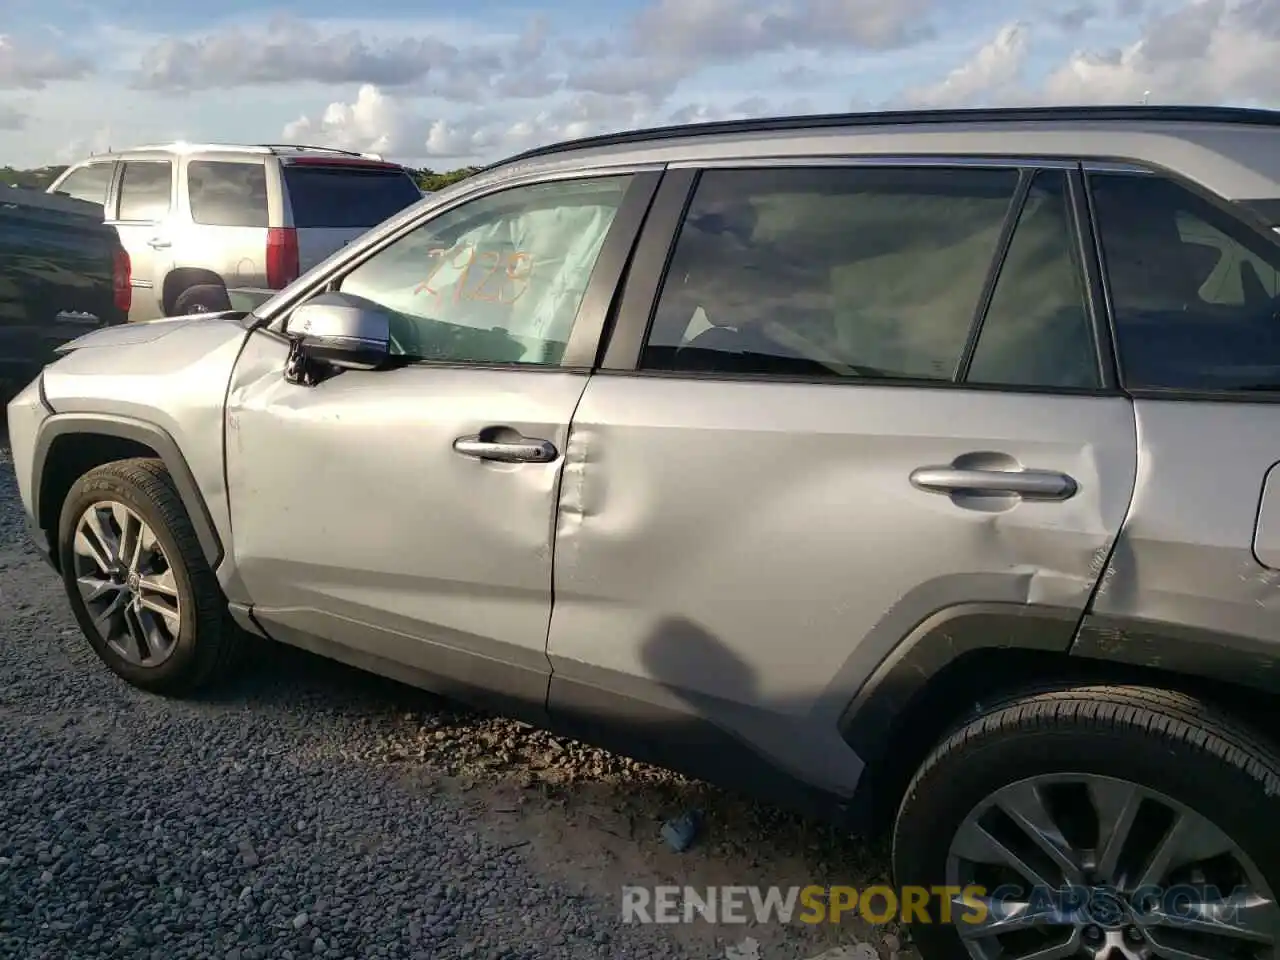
[402, 518]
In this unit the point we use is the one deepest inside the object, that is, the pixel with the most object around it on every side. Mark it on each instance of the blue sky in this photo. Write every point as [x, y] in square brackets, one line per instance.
[441, 85]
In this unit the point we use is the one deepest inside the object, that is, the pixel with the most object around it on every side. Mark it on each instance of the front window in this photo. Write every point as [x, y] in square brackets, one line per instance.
[495, 280]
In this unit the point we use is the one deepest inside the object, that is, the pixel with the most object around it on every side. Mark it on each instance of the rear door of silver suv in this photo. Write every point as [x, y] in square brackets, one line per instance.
[852, 396]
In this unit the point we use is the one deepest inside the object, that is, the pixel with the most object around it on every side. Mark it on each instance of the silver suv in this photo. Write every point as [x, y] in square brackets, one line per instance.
[197, 219]
[916, 469]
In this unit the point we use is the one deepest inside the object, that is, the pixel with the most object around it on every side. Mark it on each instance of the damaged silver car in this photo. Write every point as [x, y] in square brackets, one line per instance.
[916, 469]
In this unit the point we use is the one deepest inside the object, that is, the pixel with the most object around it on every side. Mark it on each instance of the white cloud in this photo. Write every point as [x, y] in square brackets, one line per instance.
[376, 121]
[989, 75]
[701, 30]
[372, 122]
[1207, 51]
[24, 67]
[11, 118]
[288, 50]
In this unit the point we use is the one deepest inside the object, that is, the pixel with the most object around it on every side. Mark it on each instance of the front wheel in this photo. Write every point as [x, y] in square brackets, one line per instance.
[1113, 823]
[139, 585]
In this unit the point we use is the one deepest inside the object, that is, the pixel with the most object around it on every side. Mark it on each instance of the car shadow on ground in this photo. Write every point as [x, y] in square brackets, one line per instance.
[590, 817]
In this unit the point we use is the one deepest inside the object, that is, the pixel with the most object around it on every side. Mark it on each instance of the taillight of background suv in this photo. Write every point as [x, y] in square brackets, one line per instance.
[122, 282]
[282, 257]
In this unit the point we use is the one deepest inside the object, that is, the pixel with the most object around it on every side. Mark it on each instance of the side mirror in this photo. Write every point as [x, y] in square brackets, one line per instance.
[342, 331]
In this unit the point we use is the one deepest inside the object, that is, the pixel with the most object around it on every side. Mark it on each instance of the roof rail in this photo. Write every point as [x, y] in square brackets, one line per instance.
[305, 146]
[826, 121]
[187, 146]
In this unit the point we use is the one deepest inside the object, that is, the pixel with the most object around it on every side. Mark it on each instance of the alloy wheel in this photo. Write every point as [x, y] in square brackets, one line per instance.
[127, 584]
[1101, 868]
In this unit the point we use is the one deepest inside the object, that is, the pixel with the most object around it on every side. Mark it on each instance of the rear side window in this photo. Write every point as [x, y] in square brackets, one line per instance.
[226, 194]
[1194, 291]
[1037, 331]
[333, 195]
[830, 272]
[145, 190]
[88, 183]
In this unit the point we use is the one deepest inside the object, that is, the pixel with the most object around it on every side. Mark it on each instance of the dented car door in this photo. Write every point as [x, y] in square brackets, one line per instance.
[407, 513]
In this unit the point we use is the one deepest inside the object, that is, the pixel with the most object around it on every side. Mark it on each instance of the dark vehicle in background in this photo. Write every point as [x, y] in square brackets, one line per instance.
[63, 273]
[201, 219]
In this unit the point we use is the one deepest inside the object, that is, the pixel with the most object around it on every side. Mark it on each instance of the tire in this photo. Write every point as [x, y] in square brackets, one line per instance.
[207, 643]
[1166, 742]
[202, 298]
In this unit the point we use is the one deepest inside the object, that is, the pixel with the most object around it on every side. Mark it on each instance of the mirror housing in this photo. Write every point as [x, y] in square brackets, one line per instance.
[341, 331]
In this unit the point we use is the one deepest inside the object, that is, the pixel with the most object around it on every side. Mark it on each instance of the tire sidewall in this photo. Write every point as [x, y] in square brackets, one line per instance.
[210, 296]
[936, 805]
[96, 487]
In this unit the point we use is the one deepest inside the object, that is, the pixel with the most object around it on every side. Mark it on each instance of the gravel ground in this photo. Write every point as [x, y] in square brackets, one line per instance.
[308, 810]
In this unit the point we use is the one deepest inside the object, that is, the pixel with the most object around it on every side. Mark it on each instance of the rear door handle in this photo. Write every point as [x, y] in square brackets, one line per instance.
[159, 243]
[1028, 484]
[524, 450]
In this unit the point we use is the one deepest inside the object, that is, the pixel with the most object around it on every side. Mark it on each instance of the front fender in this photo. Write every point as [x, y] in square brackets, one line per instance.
[137, 431]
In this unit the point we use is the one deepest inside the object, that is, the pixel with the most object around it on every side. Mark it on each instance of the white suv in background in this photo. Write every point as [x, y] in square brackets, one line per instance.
[198, 219]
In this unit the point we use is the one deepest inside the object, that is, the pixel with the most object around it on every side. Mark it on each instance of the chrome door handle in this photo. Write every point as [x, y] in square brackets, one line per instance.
[506, 451]
[159, 243]
[1028, 484]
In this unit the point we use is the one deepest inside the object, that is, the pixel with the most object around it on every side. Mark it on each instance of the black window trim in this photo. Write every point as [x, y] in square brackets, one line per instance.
[587, 333]
[1243, 211]
[119, 184]
[642, 285]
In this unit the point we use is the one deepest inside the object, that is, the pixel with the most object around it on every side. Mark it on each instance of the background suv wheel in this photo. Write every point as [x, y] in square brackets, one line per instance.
[138, 583]
[1121, 822]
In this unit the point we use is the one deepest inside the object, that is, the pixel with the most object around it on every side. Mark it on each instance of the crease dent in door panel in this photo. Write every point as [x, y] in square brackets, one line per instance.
[1186, 557]
[721, 567]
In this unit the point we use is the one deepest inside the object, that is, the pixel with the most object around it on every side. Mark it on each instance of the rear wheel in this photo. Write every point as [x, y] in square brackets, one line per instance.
[203, 298]
[1115, 823]
[138, 582]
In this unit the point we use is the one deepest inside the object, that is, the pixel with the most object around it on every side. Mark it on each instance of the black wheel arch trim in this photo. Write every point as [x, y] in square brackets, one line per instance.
[138, 431]
[941, 639]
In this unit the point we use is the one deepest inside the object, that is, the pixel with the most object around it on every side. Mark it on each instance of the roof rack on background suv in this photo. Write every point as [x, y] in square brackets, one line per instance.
[276, 147]
[826, 121]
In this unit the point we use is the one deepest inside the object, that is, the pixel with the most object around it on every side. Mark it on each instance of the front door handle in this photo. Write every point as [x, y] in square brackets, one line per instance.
[1028, 484]
[524, 450]
[159, 243]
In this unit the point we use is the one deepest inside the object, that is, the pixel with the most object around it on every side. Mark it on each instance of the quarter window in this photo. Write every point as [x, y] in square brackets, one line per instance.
[1037, 331]
[1195, 292]
[845, 272]
[145, 190]
[227, 194]
[88, 183]
[496, 280]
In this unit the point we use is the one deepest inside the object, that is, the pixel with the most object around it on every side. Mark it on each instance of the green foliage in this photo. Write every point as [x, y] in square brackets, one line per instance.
[431, 181]
[36, 179]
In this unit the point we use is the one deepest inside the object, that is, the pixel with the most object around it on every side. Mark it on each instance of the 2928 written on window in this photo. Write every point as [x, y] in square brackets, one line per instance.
[496, 280]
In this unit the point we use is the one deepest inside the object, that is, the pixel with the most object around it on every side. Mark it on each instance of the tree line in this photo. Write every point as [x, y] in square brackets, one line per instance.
[40, 177]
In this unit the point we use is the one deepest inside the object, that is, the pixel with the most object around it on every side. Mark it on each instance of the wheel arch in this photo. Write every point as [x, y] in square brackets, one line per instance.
[71, 444]
[967, 659]
[181, 279]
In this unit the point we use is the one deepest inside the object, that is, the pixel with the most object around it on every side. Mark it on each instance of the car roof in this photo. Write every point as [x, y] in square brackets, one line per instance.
[1233, 150]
